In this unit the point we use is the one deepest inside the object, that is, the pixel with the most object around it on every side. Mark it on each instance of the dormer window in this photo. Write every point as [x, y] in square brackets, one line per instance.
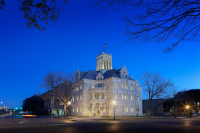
[122, 76]
[125, 76]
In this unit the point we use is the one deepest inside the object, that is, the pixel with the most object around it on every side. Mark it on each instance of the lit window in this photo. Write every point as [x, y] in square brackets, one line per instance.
[123, 85]
[81, 108]
[93, 96]
[122, 96]
[105, 85]
[77, 89]
[73, 89]
[131, 96]
[131, 86]
[80, 97]
[76, 97]
[116, 84]
[73, 109]
[77, 109]
[73, 98]
[61, 103]
[126, 96]
[126, 108]
[105, 96]
[126, 86]
[116, 95]
[138, 99]
[132, 109]
[92, 85]
[81, 86]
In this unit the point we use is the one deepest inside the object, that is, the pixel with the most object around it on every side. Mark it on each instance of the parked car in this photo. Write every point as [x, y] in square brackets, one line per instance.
[167, 114]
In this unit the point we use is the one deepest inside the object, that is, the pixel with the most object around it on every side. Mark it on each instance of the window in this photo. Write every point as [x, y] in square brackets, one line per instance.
[76, 97]
[81, 108]
[77, 89]
[99, 85]
[73, 98]
[92, 85]
[126, 108]
[123, 85]
[61, 103]
[73, 89]
[93, 96]
[122, 76]
[116, 95]
[131, 96]
[138, 89]
[126, 96]
[80, 96]
[131, 86]
[77, 109]
[116, 84]
[132, 109]
[100, 96]
[125, 76]
[81, 86]
[138, 99]
[126, 86]
[122, 96]
[105, 85]
[73, 109]
[105, 96]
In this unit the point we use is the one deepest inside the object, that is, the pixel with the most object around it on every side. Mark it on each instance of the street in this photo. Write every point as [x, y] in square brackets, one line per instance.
[17, 124]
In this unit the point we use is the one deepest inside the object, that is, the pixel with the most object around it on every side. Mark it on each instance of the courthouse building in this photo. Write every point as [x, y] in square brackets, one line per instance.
[96, 91]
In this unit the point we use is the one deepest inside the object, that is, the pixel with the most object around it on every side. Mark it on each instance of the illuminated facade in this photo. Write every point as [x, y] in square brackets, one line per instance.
[96, 90]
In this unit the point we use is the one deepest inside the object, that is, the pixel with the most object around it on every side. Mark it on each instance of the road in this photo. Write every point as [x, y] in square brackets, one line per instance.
[17, 124]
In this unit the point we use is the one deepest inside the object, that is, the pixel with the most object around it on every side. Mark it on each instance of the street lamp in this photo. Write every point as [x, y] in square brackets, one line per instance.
[114, 108]
[187, 107]
[69, 107]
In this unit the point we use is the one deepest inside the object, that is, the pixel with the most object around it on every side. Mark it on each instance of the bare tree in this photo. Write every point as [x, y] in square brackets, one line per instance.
[36, 11]
[159, 20]
[155, 86]
[62, 87]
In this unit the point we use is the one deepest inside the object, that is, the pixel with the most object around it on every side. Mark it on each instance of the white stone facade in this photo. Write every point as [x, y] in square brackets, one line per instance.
[96, 96]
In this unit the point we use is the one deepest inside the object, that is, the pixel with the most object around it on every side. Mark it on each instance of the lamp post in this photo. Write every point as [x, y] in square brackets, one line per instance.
[69, 107]
[187, 107]
[114, 108]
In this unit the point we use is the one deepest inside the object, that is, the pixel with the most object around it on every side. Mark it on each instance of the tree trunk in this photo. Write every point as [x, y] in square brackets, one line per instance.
[57, 109]
[149, 111]
[65, 110]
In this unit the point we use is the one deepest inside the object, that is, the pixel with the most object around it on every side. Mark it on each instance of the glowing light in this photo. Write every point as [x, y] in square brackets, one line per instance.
[114, 102]
[187, 107]
[69, 103]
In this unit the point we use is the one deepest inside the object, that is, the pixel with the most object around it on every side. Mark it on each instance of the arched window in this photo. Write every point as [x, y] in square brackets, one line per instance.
[116, 84]
[122, 85]
[97, 95]
[104, 107]
[91, 108]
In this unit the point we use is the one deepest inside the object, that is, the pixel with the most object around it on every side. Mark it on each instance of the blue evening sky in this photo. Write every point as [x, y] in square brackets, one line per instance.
[27, 55]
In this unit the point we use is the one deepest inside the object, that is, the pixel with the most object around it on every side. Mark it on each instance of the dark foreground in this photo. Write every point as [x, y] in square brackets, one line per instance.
[16, 124]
